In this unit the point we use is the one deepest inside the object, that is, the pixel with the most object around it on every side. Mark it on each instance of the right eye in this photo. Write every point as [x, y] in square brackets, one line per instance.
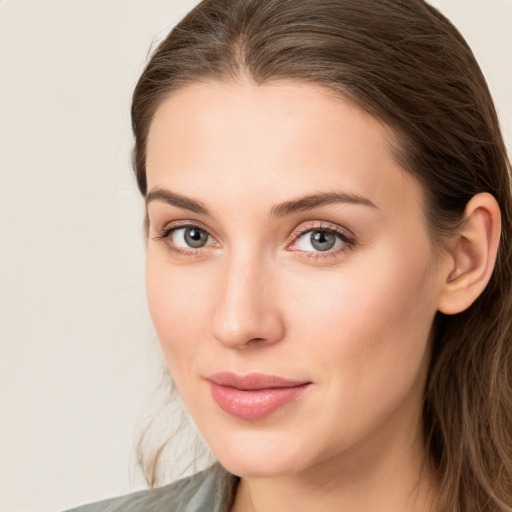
[189, 237]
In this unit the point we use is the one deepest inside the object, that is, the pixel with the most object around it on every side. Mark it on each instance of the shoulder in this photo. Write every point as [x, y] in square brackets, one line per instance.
[211, 490]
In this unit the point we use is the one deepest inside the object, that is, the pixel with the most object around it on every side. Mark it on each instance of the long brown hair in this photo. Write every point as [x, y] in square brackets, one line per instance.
[405, 64]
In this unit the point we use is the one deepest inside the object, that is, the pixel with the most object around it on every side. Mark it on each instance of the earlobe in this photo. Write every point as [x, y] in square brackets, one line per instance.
[472, 256]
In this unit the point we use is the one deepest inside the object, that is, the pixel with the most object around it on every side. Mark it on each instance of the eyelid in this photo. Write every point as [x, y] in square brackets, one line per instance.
[169, 227]
[344, 234]
[165, 235]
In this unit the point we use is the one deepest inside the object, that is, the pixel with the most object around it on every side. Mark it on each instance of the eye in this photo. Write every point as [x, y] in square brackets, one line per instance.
[189, 237]
[321, 240]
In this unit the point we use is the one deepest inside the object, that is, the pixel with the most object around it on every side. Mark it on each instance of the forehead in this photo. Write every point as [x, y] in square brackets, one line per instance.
[272, 141]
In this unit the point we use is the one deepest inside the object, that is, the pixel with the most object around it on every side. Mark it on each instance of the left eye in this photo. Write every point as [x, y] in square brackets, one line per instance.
[319, 240]
[190, 238]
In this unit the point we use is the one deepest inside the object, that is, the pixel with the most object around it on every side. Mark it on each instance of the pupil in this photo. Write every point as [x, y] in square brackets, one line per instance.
[195, 237]
[322, 240]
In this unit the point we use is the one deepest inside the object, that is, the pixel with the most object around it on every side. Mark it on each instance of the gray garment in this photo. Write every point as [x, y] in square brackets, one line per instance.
[208, 491]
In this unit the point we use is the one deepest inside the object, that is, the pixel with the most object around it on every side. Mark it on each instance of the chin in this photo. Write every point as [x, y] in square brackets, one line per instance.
[261, 455]
[261, 467]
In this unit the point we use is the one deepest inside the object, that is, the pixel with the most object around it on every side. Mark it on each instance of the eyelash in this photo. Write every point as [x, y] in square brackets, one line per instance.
[169, 229]
[344, 235]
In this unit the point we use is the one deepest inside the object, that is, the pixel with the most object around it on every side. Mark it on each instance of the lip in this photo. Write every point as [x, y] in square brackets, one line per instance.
[253, 396]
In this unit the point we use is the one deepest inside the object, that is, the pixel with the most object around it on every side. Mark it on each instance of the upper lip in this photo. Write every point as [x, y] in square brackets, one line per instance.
[253, 381]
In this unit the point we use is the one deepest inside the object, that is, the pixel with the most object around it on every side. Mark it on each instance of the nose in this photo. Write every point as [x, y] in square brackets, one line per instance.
[247, 313]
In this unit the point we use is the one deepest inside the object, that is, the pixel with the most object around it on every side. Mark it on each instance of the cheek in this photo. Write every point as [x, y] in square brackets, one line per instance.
[368, 325]
[179, 302]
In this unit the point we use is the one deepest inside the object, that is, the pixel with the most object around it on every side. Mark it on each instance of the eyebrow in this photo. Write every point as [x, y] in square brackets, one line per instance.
[301, 204]
[182, 202]
[317, 200]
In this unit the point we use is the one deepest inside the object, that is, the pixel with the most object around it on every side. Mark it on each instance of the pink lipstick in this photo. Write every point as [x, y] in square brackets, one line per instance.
[253, 396]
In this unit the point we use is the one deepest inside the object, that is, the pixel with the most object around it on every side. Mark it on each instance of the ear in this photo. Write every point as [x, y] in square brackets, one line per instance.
[472, 255]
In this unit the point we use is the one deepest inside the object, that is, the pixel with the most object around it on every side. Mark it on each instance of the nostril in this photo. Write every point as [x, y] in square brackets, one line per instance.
[256, 340]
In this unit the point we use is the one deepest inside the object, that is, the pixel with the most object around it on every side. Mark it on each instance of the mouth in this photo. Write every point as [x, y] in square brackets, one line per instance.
[253, 396]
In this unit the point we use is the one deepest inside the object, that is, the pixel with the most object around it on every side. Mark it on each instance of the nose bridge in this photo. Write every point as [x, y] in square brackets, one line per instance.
[246, 311]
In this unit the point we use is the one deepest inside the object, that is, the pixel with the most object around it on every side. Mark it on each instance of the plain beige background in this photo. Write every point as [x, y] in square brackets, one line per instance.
[77, 359]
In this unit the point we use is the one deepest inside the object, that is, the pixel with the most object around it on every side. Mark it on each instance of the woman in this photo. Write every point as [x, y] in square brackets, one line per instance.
[328, 225]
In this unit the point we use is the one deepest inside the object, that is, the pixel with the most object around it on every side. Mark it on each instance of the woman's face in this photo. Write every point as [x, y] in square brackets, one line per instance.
[290, 276]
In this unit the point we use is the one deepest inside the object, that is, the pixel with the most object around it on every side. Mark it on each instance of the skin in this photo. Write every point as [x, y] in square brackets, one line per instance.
[354, 321]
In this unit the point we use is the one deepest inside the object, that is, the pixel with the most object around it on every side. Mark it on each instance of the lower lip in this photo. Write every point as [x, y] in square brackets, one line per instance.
[254, 404]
